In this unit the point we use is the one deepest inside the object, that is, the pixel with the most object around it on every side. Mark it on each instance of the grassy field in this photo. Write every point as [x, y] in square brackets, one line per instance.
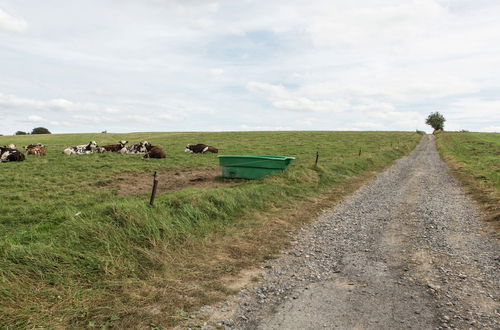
[475, 159]
[81, 247]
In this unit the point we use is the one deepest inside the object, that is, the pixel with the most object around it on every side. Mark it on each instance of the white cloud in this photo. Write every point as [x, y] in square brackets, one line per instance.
[264, 128]
[375, 24]
[216, 71]
[15, 102]
[35, 119]
[308, 122]
[87, 119]
[375, 107]
[476, 109]
[64, 105]
[112, 110]
[398, 85]
[282, 98]
[10, 23]
[494, 129]
[58, 123]
[368, 125]
[169, 117]
[140, 119]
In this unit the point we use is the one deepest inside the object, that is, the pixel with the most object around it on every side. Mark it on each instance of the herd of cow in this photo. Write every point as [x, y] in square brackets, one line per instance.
[10, 153]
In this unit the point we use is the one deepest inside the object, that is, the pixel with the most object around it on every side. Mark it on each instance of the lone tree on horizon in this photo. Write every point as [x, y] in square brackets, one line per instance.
[40, 130]
[436, 121]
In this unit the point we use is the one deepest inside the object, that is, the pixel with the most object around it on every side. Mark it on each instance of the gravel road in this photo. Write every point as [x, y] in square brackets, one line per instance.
[407, 251]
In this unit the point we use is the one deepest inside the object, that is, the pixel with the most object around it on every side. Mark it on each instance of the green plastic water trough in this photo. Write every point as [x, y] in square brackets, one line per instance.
[252, 167]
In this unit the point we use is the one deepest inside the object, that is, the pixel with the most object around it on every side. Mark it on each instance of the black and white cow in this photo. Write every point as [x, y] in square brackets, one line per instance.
[81, 149]
[200, 148]
[10, 154]
[138, 148]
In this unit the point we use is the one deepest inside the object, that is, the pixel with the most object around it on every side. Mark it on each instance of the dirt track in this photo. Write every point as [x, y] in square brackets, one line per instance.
[407, 251]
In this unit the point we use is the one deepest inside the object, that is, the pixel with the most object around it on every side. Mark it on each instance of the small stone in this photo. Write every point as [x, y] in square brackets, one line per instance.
[433, 286]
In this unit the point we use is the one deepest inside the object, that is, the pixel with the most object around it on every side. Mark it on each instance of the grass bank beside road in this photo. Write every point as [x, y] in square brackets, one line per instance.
[81, 247]
[474, 158]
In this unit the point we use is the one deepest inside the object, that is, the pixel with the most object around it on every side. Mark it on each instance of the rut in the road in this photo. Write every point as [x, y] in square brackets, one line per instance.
[406, 251]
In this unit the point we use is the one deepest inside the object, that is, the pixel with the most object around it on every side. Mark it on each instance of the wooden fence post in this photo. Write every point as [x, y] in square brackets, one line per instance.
[153, 192]
[317, 157]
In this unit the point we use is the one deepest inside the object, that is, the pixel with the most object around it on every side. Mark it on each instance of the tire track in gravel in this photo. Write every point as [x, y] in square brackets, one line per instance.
[407, 251]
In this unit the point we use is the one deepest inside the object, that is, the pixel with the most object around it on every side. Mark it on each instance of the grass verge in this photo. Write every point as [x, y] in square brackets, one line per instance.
[120, 263]
[474, 159]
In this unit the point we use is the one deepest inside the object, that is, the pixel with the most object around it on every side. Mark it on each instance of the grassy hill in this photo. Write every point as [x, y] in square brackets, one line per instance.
[81, 247]
[475, 160]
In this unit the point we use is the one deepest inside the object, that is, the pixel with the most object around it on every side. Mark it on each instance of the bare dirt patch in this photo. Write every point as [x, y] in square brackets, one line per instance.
[170, 181]
[242, 279]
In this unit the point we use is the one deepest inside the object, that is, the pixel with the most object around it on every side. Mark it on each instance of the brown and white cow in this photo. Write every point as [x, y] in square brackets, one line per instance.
[155, 152]
[115, 147]
[36, 149]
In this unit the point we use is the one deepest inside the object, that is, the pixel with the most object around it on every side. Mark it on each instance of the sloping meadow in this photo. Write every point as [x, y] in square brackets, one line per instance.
[76, 251]
[475, 160]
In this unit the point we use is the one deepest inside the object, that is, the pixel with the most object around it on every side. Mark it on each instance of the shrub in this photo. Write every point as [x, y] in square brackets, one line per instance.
[40, 130]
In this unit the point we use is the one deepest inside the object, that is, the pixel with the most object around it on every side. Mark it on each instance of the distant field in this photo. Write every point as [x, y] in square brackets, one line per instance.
[475, 159]
[121, 263]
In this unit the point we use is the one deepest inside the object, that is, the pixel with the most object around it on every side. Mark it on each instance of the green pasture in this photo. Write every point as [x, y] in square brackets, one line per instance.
[479, 153]
[475, 159]
[59, 269]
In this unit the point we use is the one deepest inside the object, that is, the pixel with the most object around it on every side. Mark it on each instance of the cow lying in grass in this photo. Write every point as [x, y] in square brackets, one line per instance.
[155, 152]
[200, 149]
[115, 147]
[10, 154]
[81, 149]
[35, 149]
[139, 148]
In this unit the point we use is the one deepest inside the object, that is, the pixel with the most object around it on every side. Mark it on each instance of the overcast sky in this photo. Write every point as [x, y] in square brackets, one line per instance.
[194, 65]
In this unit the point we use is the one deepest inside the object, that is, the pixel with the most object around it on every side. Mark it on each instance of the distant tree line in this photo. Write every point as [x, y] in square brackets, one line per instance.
[36, 130]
